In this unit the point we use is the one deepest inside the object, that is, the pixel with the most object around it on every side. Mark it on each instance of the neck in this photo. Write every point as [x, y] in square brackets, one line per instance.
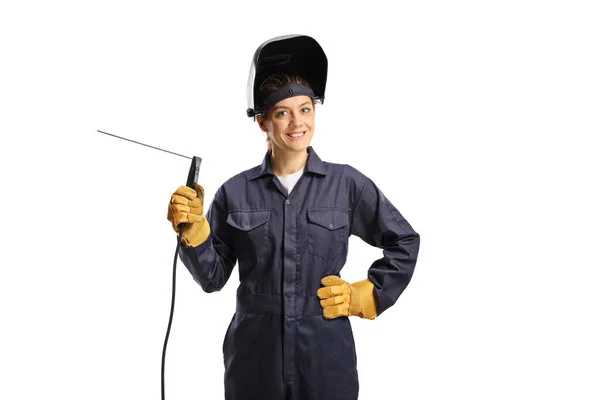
[286, 163]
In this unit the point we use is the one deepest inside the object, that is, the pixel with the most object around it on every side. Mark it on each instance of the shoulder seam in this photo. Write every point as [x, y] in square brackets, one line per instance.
[359, 195]
[219, 200]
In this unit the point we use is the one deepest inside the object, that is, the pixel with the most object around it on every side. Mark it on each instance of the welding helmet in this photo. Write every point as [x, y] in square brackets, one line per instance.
[296, 55]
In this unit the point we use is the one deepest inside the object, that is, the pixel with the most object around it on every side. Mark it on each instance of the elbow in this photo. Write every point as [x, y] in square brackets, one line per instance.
[416, 243]
[208, 287]
[407, 245]
[215, 279]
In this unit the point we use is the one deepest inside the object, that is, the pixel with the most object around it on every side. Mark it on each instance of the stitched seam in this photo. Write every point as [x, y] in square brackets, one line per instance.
[359, 196]
[249, 210]
[219, 200]
[390, 210]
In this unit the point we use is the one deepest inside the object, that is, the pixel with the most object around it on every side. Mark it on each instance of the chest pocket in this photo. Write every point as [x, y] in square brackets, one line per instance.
[252, 233]
[327, 232]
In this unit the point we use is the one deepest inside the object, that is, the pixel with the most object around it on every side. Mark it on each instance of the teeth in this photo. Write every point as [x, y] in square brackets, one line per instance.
[296, 134]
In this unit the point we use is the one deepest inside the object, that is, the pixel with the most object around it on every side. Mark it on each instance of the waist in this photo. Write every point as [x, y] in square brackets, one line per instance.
[276, 304]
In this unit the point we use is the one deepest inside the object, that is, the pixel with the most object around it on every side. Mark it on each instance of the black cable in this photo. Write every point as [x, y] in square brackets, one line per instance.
[162, 370]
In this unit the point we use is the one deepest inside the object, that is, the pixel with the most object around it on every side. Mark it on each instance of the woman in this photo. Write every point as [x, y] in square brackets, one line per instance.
[287, 222]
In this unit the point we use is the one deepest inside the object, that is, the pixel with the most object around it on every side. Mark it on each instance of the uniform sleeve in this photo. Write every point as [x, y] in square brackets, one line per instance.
[376, 221]
[211, 262]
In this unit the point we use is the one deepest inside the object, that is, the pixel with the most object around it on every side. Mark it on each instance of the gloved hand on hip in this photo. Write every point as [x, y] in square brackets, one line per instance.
[187, 206]
[340, 298]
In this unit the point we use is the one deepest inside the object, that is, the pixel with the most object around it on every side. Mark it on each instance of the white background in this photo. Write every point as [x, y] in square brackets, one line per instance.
[476, 119]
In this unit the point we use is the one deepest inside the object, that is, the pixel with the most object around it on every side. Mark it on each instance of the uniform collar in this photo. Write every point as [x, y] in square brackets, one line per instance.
[313, 164]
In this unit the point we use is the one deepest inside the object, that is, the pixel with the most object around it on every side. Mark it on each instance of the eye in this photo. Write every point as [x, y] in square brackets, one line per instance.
[281, 113]
[306, 109]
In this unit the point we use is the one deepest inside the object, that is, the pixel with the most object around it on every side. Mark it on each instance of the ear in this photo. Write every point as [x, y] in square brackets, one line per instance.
[262, 123]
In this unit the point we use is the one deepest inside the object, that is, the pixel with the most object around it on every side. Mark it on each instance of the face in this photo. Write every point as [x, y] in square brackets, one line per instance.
[289, 124]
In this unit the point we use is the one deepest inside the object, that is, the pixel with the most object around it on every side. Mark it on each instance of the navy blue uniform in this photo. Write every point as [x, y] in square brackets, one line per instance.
[278, 345]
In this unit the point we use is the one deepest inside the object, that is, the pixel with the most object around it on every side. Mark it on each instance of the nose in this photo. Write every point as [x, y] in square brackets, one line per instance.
[293, 119]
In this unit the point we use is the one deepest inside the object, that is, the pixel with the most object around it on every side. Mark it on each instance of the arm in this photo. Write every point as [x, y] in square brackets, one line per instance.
[377, 222]
[212, 262]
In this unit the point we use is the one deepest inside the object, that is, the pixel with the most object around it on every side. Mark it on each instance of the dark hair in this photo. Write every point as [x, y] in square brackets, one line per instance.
[278, 81]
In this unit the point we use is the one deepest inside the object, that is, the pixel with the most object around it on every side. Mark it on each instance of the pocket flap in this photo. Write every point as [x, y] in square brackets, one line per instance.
[329, 218]
[247, 220]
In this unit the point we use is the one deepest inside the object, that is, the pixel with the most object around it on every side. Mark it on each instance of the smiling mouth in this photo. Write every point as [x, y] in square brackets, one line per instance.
[296, 135]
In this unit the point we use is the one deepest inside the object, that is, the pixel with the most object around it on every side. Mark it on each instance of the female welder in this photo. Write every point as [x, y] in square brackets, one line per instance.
[286, 222]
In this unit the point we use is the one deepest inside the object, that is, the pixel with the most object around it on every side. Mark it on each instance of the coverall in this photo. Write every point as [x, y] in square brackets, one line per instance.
[278, 346]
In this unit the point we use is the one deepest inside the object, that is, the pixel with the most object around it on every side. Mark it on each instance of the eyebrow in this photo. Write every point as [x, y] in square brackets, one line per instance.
[287, 108]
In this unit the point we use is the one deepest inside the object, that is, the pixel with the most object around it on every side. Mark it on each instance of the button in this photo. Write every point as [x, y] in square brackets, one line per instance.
[287, 201]
[330, 225]
[290, 91]
[246, 226]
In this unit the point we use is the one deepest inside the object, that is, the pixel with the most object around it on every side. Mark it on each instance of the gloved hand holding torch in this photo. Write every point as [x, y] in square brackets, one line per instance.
[187, 206]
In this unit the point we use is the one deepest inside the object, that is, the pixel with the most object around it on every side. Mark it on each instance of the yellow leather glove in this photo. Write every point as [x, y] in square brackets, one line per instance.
[339, 298]
[187, 205]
